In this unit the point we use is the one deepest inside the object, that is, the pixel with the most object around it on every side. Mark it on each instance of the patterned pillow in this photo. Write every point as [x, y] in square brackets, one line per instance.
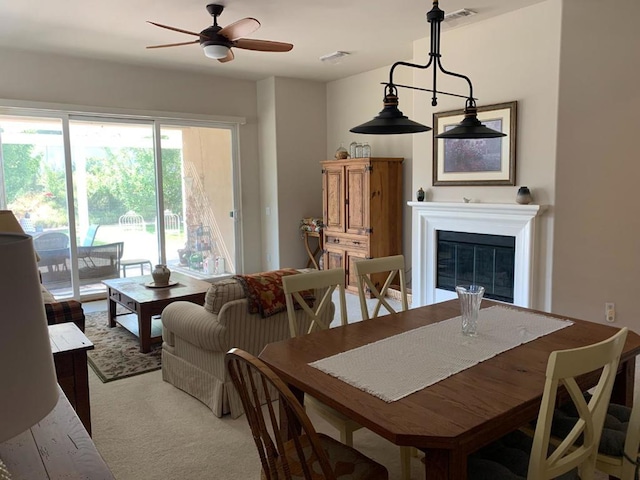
[222, 292]
[265, 293]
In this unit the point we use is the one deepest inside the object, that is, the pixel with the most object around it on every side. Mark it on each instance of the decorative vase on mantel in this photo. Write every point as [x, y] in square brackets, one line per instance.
[161, 274]
[523, 196]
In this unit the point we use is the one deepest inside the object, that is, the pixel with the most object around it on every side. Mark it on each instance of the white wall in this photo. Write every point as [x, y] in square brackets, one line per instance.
[301, 138]
[597, 228]
[48, 78]
[292, 139]
[268, 153]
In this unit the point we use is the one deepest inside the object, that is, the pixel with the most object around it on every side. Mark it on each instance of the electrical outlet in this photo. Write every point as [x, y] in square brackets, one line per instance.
[610, 312]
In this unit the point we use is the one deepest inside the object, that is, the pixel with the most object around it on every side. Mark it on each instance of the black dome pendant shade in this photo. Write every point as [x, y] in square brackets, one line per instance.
[390, 120]
[470, 127]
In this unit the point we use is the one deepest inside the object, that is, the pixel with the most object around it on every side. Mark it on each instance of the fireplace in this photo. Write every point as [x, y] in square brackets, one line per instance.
[509, 226]
[476, 258]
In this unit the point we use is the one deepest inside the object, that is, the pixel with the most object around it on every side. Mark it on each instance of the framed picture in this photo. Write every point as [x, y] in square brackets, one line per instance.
[484, 161]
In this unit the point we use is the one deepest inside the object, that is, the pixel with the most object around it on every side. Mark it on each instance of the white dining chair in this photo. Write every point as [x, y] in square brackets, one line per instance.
[618, 451]
[295, 287]
[392, 266]
[518, 456]
[327, 281]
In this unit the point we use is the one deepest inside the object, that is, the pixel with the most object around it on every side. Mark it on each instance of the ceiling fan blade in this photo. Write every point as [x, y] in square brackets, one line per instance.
[263, 45]
[228, 58]
[191, 42]
[240, 29]
[174, 29]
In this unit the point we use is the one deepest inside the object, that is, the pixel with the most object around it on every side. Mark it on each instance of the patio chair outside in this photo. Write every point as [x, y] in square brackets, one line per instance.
[90, 235]
[131, 221]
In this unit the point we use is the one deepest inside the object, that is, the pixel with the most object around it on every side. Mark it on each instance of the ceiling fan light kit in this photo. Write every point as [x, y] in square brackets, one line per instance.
[217, 41]
[215, 51]
[391, 120]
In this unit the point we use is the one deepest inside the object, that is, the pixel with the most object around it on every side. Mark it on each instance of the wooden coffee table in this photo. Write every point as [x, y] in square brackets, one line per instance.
[146, 302]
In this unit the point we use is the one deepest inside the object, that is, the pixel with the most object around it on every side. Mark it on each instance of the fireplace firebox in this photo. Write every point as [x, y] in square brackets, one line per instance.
[481, 259]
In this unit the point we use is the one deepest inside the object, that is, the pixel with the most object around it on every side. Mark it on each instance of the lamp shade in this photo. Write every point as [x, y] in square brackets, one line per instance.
[390, 121]
[9, 224]
[27, 374]
[470, 127]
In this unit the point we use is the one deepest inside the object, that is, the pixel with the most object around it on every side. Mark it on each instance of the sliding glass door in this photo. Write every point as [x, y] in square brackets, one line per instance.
[119, 173]
[34, 187]
[114, 187]
[199, 195]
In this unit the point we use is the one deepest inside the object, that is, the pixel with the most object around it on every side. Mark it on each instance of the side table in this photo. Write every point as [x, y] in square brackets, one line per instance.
[69, 346]
[319, 247]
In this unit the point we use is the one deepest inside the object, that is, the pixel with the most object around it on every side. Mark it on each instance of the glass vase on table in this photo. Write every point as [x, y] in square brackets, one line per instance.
[470, 298]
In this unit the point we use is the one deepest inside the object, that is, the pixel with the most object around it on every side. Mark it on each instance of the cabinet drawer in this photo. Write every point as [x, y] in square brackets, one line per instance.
[346, 242]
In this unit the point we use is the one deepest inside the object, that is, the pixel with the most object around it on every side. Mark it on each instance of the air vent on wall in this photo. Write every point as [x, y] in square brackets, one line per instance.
[458, 14]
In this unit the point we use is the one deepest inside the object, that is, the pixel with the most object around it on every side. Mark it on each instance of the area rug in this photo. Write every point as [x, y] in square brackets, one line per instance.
[117, 354]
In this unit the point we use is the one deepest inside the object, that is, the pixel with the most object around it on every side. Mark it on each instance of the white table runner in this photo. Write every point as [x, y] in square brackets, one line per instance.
[400, 365]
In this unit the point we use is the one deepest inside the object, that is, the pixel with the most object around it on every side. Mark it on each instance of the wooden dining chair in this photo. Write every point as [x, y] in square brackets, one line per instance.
[296, 452]
[364, 269]
[519, 456]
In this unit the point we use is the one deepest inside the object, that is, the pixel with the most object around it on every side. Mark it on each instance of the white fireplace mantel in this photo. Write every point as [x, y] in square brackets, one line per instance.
[486, 218]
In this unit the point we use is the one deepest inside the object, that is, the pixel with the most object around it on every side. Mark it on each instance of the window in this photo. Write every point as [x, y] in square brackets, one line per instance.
[94, 190]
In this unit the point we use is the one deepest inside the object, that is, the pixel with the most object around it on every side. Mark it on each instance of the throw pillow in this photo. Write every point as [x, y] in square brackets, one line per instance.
[222, 292]
[265, 294]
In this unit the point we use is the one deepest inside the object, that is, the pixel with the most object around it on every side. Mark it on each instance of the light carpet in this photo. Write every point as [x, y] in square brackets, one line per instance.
[117, 351]
[147, 428]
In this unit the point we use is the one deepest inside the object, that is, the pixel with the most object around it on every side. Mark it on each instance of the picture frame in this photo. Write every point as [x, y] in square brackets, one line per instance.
[485, 161]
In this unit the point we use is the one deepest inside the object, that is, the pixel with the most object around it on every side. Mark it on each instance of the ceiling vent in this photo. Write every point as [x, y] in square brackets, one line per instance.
[334, 57]
[459, 14]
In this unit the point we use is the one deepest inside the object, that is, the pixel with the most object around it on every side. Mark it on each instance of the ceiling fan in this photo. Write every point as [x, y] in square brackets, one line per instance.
[217, 41]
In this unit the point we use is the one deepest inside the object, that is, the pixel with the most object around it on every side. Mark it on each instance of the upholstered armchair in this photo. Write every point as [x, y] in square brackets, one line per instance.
[61, 311]
[197, 337]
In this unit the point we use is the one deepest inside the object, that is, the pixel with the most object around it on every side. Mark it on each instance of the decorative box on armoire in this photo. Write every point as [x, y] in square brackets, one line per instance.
[362, 212]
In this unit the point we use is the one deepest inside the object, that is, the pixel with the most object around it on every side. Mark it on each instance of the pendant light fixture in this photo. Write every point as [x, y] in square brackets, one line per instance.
[392, 121]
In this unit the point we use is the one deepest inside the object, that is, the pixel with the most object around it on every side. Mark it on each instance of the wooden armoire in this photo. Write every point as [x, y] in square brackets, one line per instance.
[362, 212]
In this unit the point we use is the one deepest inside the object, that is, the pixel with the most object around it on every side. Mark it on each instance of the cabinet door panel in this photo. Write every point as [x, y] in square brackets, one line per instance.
[334, 258]
[350, 257]
[357, 216]
[334, 199]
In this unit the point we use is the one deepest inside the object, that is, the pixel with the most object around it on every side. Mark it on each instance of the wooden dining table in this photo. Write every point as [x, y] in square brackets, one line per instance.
[455, 416]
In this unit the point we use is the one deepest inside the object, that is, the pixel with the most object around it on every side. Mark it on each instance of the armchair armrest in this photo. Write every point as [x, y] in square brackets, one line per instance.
[193, 323]
[65, 311]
